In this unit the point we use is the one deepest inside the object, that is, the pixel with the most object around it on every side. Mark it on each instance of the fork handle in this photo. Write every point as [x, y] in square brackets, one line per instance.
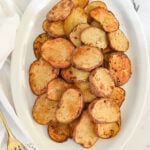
[5, 124]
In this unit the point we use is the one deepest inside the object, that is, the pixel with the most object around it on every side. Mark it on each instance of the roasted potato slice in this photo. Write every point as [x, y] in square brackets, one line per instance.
[84, 87]
[94, 37]
[57, 52]
[119, 66]
[44, 110]
[81, 3]
[60, 11]
[118, 41]
[40, 39]
[76, 17]
[56, 88]
[45, 25]
[106, 18]
[101, 82]
[118, 95]
[94, 5]
[108, 130]
[56, 29]
[70, 106]
[104, 110]
[84, 132]
[74, 75]
[58, 132]
[107, 50]
[40, 73]
[75, 34]
[87, 57]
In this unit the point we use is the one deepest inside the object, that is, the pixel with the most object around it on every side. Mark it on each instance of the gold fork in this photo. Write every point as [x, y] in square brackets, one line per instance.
[13, 143]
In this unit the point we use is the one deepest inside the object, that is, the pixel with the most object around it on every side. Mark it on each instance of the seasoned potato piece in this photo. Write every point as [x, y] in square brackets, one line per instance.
[96, 24]
[107, 50]
[58, 132]
[75, 34]
[56, 29]
[84, 132]
[38, 43]
[101, 82]
[87, 57]
[70, 106]
[94, 5]
[118, 41]
[44, 110]
[119, 66]
[106, 18]
[104, 110]
[84, 87]
[45, 25]
[81, 3]
[57, 52]
[108, 130]
[72, 126]
[74, 75]
[94, 37]
[40, 73]
[76, 17]
[56, 88]
[60, 11]
[118, 95]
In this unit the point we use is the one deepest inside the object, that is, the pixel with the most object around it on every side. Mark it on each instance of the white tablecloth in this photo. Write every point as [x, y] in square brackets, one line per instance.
[141, 137]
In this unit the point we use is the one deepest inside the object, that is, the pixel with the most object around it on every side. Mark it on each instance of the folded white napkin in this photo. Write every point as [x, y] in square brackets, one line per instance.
[9, 22]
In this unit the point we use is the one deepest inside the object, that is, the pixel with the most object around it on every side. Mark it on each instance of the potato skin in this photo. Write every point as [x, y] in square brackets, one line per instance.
[40, 73]
[119, 66]
[104, 110]
[87, 57]
[39, 40]
[57, 52]
[101, 82]
[60, 11]
[70, 106]
[44, 110]
[58, 132]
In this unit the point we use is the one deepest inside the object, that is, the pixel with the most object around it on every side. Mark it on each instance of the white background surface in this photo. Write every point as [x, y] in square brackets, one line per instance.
[141, 137]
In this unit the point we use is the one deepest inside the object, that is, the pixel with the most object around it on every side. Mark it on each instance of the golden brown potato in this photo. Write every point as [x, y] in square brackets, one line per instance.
[56, 29]
[70, 106]
[94, 37]
[58, 132]
[81, 3]
[94, 5]
[108, 130]
[40, 39]
[60, 11]
[84, 87]
[106, 18]
[76, 17]
[45, 25]
[84, 132]
[73, 75]
[40, 73]
[72, 126]
[96, 24]
[76, 32]
[101, 82]
[118, 95]
[119, 66]
[56, 88]
[104, 110]
[87, 58]
[44, 110]
[118, 41]
[57, 52]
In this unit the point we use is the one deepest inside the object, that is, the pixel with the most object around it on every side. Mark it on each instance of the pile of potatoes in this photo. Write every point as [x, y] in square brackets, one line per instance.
[79, 69]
